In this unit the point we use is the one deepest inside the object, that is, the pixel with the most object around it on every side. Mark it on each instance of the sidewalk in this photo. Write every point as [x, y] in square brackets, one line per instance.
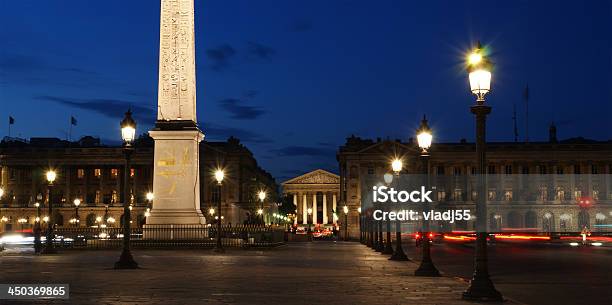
[300, 273]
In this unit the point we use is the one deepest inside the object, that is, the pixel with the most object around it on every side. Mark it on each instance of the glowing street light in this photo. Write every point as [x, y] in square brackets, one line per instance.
[128, 134]
[397, 165]
[150, 196]
[219, 176]
[424, 138]
[51, 176]
[479, 69]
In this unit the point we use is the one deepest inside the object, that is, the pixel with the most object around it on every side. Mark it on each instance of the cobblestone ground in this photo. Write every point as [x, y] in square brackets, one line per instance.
[306, 273]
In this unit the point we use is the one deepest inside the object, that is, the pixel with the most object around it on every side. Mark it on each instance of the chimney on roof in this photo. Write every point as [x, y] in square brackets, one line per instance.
[552, 133]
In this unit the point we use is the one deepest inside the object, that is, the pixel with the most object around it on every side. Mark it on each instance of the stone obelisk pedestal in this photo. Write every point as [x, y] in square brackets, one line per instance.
[176, 182]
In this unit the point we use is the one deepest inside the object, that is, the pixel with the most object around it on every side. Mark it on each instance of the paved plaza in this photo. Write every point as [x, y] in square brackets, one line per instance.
[299, 273]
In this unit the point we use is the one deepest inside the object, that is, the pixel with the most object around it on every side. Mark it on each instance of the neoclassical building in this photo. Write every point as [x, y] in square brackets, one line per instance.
[315, 197]
[93, 173]
[533, 186]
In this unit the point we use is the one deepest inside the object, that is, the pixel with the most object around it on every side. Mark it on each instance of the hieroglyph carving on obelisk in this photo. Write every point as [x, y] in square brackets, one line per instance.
[177, 79]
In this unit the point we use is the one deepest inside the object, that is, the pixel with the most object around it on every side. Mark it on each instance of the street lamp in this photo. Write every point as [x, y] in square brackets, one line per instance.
[37, 229]
[398, 255]
[424, 139]
[50, 175]
[262, 197]
[345, 209]
[1, 192]
[219, 175]
[22, 221]
[479, 69]
[150, 198]
[76, 202]
[128, 133]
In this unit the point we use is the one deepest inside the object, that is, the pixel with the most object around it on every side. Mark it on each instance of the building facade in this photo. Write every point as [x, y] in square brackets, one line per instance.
[93, 173]
[315, 197]
[531, 186]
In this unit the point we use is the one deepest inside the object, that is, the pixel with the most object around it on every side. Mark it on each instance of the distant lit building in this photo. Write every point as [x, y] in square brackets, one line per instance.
[575, 169]
[93, 173]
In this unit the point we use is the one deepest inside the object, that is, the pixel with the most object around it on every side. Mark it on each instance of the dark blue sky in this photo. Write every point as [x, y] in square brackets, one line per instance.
[293, 79]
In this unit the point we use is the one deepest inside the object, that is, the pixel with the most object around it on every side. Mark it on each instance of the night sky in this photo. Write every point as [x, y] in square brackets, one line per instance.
[293, 79]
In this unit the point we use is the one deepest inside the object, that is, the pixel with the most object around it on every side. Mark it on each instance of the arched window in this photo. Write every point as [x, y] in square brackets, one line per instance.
[514, 220]
[495, 223]
[583, 219]
[565, 222]
[531, 219]
[548, 222]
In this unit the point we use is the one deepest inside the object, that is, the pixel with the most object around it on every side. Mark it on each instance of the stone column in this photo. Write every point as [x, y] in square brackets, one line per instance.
[305, 210]
[335, 208]
[325, 208]
[314, 208]
[295, 203]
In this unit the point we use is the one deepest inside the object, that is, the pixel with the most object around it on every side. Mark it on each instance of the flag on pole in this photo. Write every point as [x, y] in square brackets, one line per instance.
[73, 121]
[11, 120]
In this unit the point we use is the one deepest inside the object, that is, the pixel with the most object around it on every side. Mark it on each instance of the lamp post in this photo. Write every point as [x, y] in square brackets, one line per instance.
[424, 138]
[479, 69]
[262, 197]
[398, 255]
[388, 248]
[50, 175]
[37, 244]
[128, 133]
[76, 202]
[219, 175]
[345, 209]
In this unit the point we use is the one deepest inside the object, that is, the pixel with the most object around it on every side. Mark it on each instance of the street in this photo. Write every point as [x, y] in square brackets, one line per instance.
[534, 274]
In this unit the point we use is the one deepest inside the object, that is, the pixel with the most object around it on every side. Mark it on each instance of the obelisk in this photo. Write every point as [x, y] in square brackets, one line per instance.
[176, 183]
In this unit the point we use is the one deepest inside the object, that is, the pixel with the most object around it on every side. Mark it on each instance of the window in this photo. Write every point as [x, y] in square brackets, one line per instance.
[441, 195]
[525, 170]
[473, 170]
[458, 195]
[492, 195]
[508, 195]
[491, 169]
[97, 173]
[560, 194]
[543, 193]
[474, 195]
[12, 174]
[594, 169]
[542, 170]
[114, 197]
[370, 171]
[457, 171]
[114, 173]
[440, 170]
[80, 173]
[595, 194]
[132, 172]
[98, 196]
[577, 169]
[577, 194]
[559, 170]
[508, 169]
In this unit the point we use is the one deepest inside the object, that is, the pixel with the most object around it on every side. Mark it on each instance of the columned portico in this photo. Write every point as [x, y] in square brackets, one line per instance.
[313, 191]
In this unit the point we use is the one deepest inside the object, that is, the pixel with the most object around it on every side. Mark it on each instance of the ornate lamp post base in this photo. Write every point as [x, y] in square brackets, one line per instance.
[427, 268]
[399, 256]
[482, 289]
[126, 261]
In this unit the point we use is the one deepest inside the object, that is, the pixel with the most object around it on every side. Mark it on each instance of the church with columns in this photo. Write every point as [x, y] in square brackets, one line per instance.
[315, 197]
